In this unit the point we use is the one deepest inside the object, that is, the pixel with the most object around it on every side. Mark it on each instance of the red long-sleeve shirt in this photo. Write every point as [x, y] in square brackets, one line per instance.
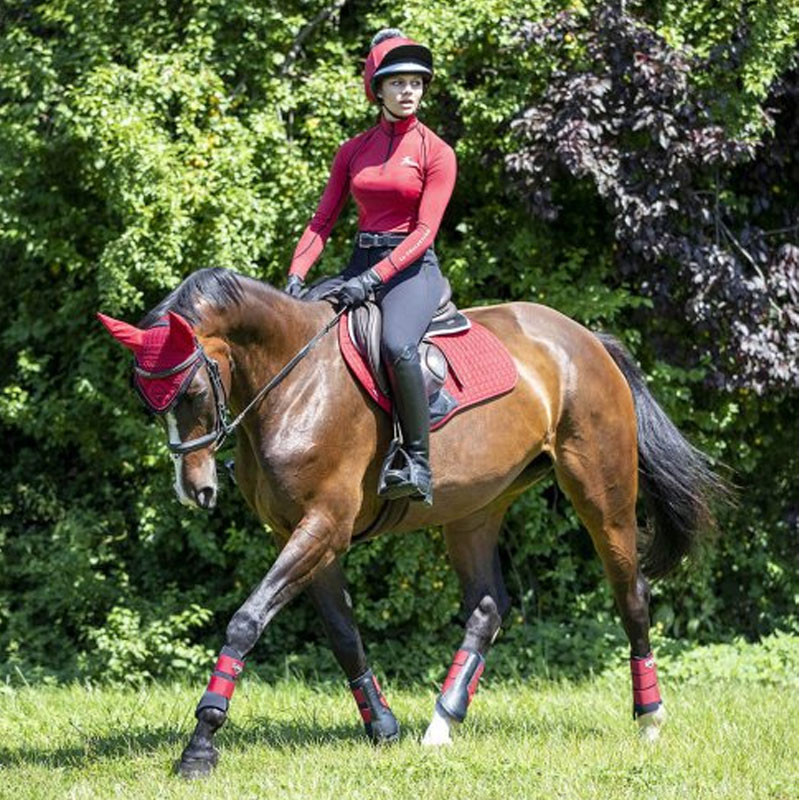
[401, 175]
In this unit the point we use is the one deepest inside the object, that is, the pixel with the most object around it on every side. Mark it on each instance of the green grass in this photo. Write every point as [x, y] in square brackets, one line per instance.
[733, 735]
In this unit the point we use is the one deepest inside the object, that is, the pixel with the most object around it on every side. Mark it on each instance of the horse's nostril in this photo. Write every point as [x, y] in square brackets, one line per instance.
[207, 497]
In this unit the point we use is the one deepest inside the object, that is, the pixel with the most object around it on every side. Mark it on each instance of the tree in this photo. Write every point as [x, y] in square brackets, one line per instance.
[627, 119]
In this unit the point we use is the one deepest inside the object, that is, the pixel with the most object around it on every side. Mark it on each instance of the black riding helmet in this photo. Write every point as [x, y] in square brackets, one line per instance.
[391, 53]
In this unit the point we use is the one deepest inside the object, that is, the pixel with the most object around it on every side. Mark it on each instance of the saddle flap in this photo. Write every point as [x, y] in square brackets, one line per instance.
[364, 323]
[364, 327]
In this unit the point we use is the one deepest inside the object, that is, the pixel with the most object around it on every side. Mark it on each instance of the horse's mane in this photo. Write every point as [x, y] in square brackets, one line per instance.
[215, 285]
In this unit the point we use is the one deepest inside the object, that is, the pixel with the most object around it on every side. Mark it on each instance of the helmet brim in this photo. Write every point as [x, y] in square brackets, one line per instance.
[410, 54]
[410, 67]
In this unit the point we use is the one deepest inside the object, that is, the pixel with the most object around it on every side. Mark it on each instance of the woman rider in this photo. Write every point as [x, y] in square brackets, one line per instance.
[401, 175]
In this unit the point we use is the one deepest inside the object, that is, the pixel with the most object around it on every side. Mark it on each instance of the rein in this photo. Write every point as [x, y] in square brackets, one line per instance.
[222, 428]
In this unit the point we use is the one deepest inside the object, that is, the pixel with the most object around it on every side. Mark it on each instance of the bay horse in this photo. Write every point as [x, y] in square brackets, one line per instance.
[309, 452]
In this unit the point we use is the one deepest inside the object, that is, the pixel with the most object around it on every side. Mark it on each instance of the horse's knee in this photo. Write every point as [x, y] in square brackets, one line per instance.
[633, 602]
[344, 637]
[499, 599]
[637, 599]
[242, 632]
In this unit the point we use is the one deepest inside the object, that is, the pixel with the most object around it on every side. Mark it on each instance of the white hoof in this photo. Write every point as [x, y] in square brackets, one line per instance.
[439, 731]
[650, 724]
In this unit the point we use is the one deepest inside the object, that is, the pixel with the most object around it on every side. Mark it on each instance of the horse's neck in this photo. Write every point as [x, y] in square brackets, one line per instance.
[264, 331]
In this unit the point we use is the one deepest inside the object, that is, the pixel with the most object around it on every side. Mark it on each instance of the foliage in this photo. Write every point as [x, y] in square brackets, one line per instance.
[126, 651]
[773, 663]
[626, 118]
[141, 141]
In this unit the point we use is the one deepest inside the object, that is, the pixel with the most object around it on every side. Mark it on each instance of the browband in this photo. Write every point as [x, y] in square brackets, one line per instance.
[168, 373]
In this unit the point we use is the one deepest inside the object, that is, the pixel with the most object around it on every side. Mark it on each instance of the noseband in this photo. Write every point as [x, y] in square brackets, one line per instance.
[222, 427]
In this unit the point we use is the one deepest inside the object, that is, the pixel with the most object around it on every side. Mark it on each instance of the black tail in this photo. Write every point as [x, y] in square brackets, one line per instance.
[678, 482]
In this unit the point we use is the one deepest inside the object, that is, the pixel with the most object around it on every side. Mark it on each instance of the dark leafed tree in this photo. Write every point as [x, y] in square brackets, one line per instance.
[700, 215]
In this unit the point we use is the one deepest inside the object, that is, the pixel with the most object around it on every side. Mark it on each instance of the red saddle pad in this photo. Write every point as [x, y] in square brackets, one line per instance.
[479, 368]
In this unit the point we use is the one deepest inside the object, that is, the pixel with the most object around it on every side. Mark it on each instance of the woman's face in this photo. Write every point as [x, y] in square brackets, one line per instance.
[401, 94]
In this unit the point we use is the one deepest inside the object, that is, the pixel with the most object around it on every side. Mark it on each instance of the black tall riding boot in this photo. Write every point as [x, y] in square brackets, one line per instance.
[412, 477]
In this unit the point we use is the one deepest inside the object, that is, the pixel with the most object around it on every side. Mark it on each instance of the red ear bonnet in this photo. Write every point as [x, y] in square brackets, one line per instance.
[168, 344]
[127, 335]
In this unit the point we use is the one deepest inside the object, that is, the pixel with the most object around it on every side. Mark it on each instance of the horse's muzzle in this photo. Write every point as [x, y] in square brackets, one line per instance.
[206, 497]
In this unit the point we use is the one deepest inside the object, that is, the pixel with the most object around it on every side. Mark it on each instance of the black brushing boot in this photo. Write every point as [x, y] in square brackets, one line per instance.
[379, 721]
[412, 477]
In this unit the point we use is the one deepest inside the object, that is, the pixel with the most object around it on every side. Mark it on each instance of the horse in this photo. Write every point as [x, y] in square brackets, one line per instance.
[580, 409]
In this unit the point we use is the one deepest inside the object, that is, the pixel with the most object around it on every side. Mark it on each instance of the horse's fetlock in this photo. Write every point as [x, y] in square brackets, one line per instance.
[484, 621]
[379, 721]
[213, 717]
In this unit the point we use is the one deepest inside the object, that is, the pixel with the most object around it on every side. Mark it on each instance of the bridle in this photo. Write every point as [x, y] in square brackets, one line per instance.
[223, 427]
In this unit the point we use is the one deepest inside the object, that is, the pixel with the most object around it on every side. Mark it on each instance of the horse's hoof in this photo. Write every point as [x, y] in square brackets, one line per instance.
[650, 724]
[192, 767]
[384, 729]
[438, 733]
[435, 740]
[381, 740]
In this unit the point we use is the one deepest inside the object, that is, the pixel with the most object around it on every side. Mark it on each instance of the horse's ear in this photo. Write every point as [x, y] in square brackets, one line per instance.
[128, 335]
[180, 332]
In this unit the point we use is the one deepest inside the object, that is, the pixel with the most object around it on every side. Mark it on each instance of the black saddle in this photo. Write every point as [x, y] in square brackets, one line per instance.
[364, 324]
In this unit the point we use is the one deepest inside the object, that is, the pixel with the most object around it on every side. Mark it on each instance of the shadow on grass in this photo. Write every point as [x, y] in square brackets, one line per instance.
[136, 742]
[279, 736]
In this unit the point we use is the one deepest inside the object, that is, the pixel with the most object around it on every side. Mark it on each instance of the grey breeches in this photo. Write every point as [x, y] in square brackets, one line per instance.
[408, 301]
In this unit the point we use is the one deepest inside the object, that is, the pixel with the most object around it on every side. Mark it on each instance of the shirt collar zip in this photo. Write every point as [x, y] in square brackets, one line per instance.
[398, 128]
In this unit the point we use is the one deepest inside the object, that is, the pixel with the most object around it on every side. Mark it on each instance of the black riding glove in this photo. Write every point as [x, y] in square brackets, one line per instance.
[358, 289]
[294, 286]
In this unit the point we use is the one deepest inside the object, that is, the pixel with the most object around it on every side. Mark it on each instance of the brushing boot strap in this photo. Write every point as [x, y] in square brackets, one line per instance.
[461, 683]
[372, 706]
[223, 681]
[646, 696]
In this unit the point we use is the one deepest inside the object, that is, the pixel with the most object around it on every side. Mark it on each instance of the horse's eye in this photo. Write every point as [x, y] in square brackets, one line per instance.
[197, 394]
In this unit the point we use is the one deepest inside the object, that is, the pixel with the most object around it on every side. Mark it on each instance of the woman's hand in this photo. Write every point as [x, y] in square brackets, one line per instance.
[294, 286]
[358, 289]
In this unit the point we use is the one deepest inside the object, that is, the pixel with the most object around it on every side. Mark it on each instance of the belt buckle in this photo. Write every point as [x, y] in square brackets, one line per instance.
[365, 240]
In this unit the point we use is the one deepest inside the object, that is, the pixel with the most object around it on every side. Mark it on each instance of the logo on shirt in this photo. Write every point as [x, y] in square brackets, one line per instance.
[408, 162]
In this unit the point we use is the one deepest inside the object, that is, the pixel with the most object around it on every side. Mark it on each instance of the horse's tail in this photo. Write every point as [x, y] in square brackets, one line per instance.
[678, 483]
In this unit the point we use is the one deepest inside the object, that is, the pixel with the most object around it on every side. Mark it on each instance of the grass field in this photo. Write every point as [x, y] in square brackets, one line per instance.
[732, 733]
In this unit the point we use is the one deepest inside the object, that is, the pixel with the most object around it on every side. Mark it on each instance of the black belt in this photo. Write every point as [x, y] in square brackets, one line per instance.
[366, 240]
